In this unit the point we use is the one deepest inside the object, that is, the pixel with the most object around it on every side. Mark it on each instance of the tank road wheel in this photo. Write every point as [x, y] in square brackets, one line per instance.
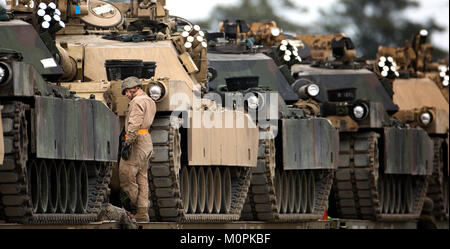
[298, 192]
[381, 192]
[34, 185]
[284, 192]
[45, 187]
[73, 188]
[189, 193]
[311, 191]
[392, 191]
[217, 190]
[278, 188]
[201, 191]
[401, 194]
[291, 192]
[304, 192]
[387, 194]
[54, 187]
[83, 188]
[185, 190]
[446, 200]
[64, 188]
[226, 190]
[193, 190]
[209, 190]
[409, 195]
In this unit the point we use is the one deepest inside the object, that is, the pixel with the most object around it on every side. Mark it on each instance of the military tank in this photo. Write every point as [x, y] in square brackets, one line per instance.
[297, 150]
[383, 163]
[419, 87]
[200, 168]
[57, 152]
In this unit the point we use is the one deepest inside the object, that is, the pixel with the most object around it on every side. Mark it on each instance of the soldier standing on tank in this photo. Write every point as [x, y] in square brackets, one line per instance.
[138, 146]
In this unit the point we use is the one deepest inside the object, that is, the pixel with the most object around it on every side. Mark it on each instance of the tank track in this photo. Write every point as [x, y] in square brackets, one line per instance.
[166, 202]
[356, 187]
[262, 203]
[15, 200]
[438, 181]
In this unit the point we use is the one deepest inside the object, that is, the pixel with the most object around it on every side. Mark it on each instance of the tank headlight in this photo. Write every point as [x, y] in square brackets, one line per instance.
[253, 102]
[425, 118]
[275, 31]
[313, 90]
[5, 73]
[155, 92]
[424, 32]
[360, 111]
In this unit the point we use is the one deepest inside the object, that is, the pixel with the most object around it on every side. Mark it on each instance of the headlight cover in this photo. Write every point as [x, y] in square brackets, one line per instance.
[253, 102]
[360, 111]
[5, 73]
[313, 90]
[156, 91]
[425, 118]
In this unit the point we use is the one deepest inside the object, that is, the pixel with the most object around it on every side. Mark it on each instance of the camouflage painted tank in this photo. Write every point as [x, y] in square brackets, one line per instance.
[383, 163]
[422, 103]
[57, 152]
[200, 170]
[297, 150]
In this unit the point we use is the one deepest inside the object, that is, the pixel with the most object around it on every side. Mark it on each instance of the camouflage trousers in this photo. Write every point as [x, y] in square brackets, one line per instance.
[133, 176]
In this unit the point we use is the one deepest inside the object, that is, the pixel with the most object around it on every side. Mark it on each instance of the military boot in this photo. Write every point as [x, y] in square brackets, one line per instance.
[142, 215]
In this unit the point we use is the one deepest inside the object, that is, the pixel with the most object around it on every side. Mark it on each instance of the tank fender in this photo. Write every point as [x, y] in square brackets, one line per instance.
[309, 144]
[407, 151]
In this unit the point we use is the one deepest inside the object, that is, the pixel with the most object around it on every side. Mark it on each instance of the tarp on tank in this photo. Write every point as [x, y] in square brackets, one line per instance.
[240, 65]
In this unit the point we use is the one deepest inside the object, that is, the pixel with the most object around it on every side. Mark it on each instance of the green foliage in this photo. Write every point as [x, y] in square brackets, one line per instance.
[371, 23]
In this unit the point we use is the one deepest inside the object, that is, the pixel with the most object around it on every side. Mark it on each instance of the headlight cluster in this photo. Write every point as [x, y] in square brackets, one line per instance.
[193, 37]
[387, 66]
[50, 17]
[426, 118]
[289, 51]
[360, 111]
[5, 73]
[156, 91]
[443, 73]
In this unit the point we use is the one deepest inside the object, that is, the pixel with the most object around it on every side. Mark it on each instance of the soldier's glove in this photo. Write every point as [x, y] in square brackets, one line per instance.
[125, 153]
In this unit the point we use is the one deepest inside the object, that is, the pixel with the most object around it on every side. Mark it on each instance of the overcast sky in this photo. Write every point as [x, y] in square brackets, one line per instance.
[437, 9]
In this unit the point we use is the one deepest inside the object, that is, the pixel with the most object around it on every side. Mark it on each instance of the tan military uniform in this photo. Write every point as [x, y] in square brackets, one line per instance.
[133, 173]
